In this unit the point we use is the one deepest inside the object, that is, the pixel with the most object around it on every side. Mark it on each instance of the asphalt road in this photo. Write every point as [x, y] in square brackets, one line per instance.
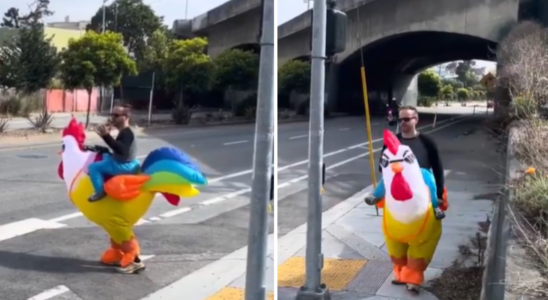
[48, 249]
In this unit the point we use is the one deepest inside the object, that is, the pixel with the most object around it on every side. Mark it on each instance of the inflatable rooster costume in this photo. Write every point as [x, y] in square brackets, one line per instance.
[410, 228]
[165, 170]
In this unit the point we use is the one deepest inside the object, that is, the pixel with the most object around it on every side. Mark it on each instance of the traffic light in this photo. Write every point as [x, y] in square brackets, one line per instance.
[336, 30]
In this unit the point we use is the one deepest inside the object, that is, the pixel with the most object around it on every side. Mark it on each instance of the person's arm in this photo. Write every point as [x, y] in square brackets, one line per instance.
[435, 161]
[122, 144]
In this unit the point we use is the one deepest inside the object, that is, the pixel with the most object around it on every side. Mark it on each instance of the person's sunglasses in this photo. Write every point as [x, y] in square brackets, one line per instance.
[406, 119]
[117, 115]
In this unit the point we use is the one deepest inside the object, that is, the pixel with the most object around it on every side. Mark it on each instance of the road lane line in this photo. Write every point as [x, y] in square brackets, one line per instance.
[66, 217]
[15, 229]
[235, 143]
[174, 212]
[298, 137]
[48, 294]
[241, 192]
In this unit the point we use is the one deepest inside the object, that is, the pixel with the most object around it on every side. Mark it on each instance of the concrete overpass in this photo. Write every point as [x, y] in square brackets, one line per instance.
[399, 38]
[235, 23]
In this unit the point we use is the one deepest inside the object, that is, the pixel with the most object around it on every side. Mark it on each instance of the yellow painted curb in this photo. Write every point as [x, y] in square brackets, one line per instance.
[336, 273]
[232, 293]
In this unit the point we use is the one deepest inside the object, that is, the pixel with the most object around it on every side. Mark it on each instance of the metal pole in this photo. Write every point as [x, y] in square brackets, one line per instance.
[313, 288]
[186, 10]
[104, 16]
[150, 99]
[112, 99]
[262, 162]
[103, 31]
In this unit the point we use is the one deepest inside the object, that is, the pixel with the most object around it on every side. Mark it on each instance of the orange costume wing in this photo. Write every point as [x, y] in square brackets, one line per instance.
[125, 187]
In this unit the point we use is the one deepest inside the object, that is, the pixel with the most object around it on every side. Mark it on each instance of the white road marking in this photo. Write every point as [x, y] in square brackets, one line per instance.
[141, 222]
[235, 143]
[11, 230]
[344, 129]
[67, 217]
[175, 212]
[298, 137]
[48, 294]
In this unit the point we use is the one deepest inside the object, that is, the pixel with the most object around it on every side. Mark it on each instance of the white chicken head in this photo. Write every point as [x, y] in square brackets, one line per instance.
[72, 154]
[400, 169]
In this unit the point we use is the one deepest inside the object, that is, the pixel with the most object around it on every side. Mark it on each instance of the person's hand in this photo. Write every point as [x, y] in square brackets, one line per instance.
[103, 130]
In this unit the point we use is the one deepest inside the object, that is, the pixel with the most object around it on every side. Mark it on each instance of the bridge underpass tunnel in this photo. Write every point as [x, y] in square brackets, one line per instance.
[392, 63]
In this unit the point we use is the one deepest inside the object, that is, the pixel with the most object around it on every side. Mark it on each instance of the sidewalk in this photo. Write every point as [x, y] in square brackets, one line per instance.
[356, 265]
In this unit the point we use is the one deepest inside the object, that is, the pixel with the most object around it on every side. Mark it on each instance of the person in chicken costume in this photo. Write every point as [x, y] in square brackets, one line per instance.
[167, 171]
[408, 194]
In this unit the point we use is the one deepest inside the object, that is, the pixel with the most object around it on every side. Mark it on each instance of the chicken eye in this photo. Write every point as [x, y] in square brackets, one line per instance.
[409, 159]
[384, 162]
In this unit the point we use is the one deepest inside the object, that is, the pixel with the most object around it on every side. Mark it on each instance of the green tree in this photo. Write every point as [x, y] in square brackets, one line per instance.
[28, 61]
[95, 60]
[13, 19]
[236, 69]
[463, 94]
[429, 83]
[447, 92]
[294, 76]
[465, 73]
[156, 52]
[187, 67]
[134, 19]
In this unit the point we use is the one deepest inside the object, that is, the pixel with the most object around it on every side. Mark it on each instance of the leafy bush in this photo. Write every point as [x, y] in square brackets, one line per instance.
[181, 114]
[294, 76]
[250, 113]
[426, 101]
[240, 108]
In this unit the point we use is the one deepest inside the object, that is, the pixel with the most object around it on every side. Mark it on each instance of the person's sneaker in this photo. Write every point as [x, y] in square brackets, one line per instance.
[132, 268]
[371, 200]
[439, 213]
[96, 197]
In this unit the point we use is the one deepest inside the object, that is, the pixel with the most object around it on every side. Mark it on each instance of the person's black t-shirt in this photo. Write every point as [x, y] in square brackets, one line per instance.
[123, 148]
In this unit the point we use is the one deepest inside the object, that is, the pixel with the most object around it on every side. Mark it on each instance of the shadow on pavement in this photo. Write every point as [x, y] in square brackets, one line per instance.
[50, 264]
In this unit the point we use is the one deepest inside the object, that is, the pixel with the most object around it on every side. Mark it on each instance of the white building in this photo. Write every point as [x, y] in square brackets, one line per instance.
[67, 24]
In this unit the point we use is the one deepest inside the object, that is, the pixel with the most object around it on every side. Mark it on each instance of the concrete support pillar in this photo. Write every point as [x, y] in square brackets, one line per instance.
[406, 90]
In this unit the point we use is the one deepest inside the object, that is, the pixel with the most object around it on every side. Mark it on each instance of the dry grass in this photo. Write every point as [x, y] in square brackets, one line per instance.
[529, 210]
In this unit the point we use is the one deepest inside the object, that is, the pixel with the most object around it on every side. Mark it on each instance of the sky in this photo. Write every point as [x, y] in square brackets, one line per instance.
[84, 10]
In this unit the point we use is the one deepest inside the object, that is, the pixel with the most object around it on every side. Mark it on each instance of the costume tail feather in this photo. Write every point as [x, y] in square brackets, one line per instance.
[173, 174]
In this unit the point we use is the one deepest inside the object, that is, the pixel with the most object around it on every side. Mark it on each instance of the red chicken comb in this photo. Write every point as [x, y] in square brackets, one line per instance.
[391, 141]
[76, 130]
